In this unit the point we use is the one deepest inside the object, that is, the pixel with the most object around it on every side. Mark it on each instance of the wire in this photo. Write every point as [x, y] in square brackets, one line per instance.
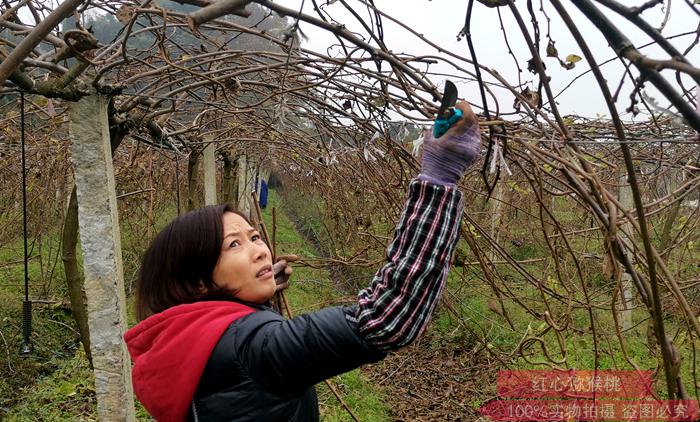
[611, 142]
[27, 304]
[24, 197]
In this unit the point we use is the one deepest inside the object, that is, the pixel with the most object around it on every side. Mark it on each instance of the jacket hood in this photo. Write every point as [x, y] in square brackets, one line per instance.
[170, 349]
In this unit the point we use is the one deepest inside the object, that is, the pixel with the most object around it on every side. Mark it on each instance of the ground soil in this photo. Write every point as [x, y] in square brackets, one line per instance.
[428, 383]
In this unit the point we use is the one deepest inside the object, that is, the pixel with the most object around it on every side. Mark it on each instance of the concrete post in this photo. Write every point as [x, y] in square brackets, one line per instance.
[243, 201]
[209, 174]
[102, 257]
[626, 297]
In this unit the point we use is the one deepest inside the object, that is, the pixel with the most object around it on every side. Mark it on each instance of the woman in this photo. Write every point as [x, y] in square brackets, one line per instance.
[208, 349]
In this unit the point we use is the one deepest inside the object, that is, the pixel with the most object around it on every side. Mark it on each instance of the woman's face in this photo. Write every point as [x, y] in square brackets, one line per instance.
[245, 262]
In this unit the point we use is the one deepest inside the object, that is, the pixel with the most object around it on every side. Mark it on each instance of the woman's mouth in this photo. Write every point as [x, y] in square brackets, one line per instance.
[264, 272]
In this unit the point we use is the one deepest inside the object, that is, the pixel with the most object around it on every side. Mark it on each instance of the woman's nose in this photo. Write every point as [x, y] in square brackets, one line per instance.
[260, 251]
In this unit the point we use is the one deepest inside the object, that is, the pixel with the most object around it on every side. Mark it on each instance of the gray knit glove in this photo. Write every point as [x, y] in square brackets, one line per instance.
[446, 159]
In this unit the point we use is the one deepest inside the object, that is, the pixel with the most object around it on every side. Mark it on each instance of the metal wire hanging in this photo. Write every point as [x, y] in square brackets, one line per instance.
[26, 348]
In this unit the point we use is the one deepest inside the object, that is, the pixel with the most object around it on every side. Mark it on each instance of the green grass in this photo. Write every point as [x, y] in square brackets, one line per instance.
[310, 287]
[363, 399]
[54, 338]
[68, 394]
[45, 268]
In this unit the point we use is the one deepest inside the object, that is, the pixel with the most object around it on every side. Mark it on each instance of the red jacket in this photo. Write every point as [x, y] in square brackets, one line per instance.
[170, 350]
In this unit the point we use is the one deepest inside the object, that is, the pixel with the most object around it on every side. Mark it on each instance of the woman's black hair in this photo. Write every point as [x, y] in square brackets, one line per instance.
[177, 267]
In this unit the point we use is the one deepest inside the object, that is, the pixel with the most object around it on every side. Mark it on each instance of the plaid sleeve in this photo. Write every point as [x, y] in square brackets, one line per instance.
[397, 305]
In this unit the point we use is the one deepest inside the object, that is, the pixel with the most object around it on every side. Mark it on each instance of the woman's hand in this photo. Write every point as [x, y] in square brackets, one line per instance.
[283, 271]
[447, 158]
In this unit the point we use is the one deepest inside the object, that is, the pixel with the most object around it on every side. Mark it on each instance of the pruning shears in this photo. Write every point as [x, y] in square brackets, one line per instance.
[447, 114]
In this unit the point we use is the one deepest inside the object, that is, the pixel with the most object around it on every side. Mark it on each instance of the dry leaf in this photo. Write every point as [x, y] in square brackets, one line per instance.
[124, 14]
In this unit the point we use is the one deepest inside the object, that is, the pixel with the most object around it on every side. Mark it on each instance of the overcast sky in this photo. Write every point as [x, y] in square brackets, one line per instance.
[441, 20]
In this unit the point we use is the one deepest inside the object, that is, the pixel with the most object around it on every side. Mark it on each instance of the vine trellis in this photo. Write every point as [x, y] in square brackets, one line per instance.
[608, 208]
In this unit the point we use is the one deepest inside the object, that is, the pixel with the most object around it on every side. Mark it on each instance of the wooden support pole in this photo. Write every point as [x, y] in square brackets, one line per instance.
[102, 257]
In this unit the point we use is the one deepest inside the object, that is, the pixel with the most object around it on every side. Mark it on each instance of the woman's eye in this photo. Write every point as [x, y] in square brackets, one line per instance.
[233, 244]
[255, 237]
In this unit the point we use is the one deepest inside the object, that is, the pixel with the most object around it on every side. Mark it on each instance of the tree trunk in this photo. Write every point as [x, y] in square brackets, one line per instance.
[229, 185]
[74, 278]
[193, 180]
